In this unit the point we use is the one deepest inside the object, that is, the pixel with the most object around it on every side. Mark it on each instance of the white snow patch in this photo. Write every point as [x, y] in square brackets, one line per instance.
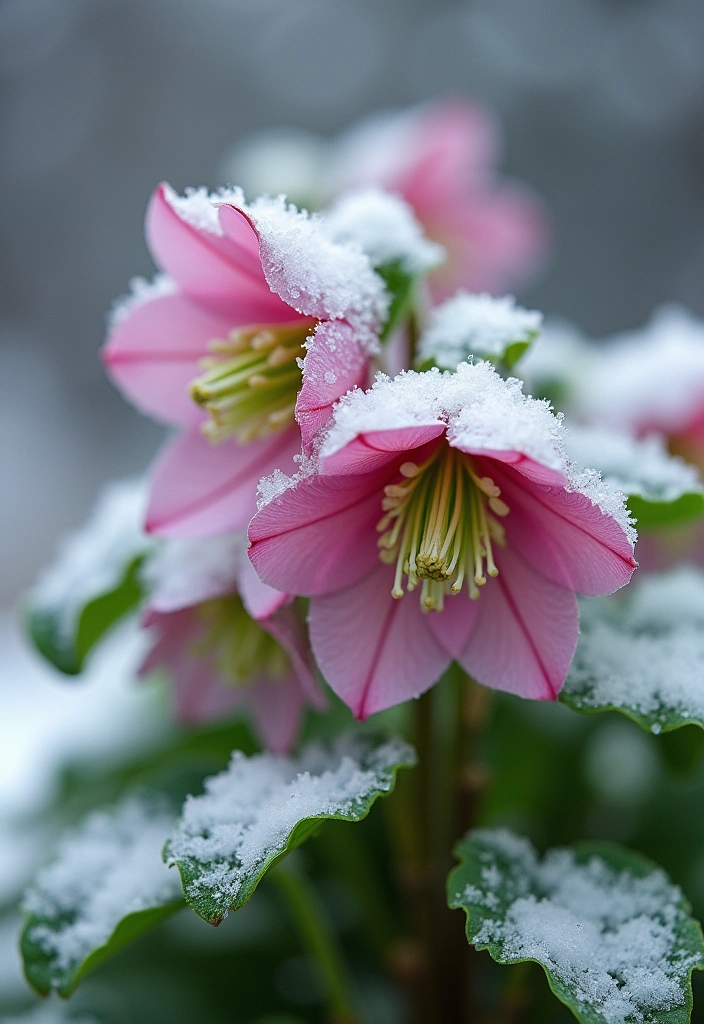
[199, 207]
[609, 936]
[141, 292]
[110, 867]
[646, 653]
[248, 812]
[385, 228]
[476, 325]
[181, 572]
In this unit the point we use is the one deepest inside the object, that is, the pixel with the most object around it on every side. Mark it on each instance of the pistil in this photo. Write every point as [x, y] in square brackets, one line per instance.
[439, 526]
[251, 380]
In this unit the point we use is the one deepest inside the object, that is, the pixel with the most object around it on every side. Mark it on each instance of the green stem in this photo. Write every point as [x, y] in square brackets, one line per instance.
[307, 911]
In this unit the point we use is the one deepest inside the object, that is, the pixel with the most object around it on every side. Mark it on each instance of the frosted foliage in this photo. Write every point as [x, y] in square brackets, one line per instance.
[645, 654]
[385, 228]
[248, 812]
[476, 325]
[141, 292]
[635, 466]
[92, 561]
[608, 936]
[110, 867]
[559, 354]
[181, 572]
[652, 377]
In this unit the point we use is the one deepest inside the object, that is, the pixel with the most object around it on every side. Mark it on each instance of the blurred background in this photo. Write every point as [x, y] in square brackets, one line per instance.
[601, 104]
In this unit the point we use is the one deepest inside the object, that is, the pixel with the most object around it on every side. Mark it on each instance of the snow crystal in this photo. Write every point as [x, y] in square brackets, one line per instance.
[199, 207]
[643, 467]
[141, 292]
[652, 377]
[385, 228]
[645, 654]
[476, 325]
[610, 937]
[181, 572]
[110, 867]
[248, 812]
[92, 560]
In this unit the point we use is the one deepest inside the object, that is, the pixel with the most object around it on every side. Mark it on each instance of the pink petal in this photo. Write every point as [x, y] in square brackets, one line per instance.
[154, 354]
[319, 534]
[276, 707]
[200, 489]
[453, 627]
[563, 535]
[286, 626]
[374, 651]
[525, 465]
[335, 363]
[377, 448]
[260, 600]
[526, 631]
[221, 271]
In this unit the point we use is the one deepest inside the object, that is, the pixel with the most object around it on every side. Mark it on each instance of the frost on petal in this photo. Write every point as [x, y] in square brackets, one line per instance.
[476, 325]
[384, 227]
[181, 571]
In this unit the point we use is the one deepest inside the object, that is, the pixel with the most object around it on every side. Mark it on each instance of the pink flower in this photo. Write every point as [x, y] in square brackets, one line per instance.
[214, 346]
[228, 642]
[455, 486]
[440, 157]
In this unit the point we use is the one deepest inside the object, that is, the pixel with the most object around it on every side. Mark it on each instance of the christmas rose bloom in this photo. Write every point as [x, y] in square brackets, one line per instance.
[228, 642]
[442, 521]
[255, 306]
[441, 157]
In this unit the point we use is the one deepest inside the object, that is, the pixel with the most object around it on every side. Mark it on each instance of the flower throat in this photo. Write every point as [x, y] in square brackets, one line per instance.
[251, 381]
[440, 526]
[241, 648]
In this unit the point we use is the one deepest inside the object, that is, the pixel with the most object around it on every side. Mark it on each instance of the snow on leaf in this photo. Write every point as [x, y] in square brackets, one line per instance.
[611, 931]
[644, 655]
[264, 806]
[107, 885]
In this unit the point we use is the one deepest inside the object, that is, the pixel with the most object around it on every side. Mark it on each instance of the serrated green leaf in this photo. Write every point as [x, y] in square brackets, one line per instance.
[614, 936]
[643, 654]
[400, 285]
[106, 887]
[94, 581]
[268, 806]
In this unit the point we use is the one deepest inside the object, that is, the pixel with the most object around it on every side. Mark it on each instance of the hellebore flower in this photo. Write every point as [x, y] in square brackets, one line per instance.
[228, 642]
[441, 157]
[255, 305]
[442, 520]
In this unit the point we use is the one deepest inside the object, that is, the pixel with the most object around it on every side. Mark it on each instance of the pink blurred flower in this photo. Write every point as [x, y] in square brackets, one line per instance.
[435, 482]
[214, 346]
[227, 641]
[441, 158]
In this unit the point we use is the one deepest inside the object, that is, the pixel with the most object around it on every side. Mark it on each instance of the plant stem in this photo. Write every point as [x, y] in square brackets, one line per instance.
[307, 911]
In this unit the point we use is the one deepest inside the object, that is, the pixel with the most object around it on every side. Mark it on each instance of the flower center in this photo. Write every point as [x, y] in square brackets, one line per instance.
[439, 527]
[251, 380]
[240, 649]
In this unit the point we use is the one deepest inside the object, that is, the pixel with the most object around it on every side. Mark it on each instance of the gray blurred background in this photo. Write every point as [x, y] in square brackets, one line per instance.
[601, 101]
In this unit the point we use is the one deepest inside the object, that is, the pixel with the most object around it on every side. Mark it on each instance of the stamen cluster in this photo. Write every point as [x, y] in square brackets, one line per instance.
[243, 650]
[438, 527]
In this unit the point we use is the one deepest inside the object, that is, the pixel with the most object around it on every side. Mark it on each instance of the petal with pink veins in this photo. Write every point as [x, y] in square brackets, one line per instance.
[374, 651]
[377, 448]
[526, 631]
[259, 600]
[276, 707]
[453, 627]
[201, 489]
[335, 363]
[286, 627]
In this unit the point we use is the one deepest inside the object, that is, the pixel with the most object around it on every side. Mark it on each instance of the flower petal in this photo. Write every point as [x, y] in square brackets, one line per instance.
[154, 354]
[526, 631]
[276, 707]
[376, 448]
[319, 535]
[200, 489]
[335, 363]
[259, 600]
[564, 535]
[454, 625]
[374, 651]
[286, 626]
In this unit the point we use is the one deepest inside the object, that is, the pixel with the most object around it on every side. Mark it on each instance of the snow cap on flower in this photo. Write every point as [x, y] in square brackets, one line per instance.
[384, 227]
[476, 325]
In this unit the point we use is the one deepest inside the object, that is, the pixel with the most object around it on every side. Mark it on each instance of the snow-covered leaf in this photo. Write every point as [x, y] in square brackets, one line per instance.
[643, 654]
[94, 580]
[662, 489]
[611, 931]
[262, 807]
[107, 885]
[478, 326]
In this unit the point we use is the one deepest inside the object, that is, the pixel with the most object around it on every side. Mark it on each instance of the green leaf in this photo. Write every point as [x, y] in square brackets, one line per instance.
[401, 286]
[643, 655]
[262, 807]
[107, 886]
[662, 489]
[613, 934]
[94, 581]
